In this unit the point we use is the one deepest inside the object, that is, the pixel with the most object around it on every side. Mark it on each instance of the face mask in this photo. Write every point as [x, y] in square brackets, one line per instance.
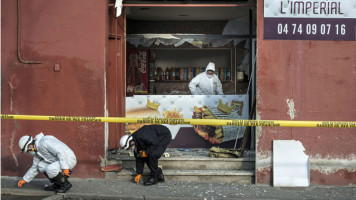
[32, 153]
[209, 76]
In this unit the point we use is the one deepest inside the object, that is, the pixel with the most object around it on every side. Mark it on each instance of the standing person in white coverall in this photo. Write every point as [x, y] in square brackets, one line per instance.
[52, 157]
[206, 83]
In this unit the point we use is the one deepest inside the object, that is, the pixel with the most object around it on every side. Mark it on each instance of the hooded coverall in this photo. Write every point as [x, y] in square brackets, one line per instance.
[153, 139]
[203, 85]
[51, 158]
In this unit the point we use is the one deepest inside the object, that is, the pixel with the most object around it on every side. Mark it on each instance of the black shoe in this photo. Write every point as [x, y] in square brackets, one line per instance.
[53, 187]
[151, 181]
[64, 187]
[62, 182]
[160, 178]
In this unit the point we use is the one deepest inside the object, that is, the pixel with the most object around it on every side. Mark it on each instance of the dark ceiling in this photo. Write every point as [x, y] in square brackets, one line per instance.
[189, 13]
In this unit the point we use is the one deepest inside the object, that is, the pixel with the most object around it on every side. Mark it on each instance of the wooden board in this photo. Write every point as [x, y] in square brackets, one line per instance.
[110, 168]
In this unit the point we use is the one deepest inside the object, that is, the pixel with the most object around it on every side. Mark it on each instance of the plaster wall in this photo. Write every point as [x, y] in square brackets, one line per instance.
[71, 35]
[307, 80]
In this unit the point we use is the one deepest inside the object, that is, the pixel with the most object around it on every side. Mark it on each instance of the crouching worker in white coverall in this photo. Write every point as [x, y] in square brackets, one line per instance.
[149, 143]
[206, 83]
[52, 157]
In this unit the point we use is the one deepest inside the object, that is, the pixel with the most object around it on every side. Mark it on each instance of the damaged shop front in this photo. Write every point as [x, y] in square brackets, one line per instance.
[164, 53]
[167, 45]
[138, 58]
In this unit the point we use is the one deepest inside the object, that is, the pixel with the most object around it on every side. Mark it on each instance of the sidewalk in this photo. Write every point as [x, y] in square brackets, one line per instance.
[115, 189]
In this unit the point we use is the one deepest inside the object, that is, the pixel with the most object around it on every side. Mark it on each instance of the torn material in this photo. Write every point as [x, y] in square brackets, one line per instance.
[118, 6]
[290, 164]
[217, 152]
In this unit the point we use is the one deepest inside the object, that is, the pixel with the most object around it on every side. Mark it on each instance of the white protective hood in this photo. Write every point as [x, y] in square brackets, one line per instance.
[211, 66]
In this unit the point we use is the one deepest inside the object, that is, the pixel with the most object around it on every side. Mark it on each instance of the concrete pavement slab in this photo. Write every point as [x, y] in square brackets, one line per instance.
[116, 189]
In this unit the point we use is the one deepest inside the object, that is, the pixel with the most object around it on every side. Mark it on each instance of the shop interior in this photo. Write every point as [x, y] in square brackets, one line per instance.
[179, 42]
[174, 44]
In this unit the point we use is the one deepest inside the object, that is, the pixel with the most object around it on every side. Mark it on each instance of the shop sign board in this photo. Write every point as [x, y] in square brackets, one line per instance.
[310, 20]
[188, 107]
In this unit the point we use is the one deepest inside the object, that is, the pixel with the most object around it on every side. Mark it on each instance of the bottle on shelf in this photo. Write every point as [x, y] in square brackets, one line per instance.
[172, 74]
[186, 73]
[218, 72]
[198, 70]
[202, 69]
[228, 74]
[190, 73]
[159, 73]
[156, 76]
[195, 70]
[167, 73]
[181, 73]
[163, 75]
[177, 73]
[222, 74]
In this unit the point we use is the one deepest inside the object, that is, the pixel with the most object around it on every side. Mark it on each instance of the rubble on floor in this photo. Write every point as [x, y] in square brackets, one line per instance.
[217, 152]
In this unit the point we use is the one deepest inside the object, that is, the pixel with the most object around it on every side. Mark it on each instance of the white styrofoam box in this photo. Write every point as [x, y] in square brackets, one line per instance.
[290, 164]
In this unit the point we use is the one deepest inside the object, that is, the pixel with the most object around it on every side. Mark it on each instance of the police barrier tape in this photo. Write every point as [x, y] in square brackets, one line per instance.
[212, 122]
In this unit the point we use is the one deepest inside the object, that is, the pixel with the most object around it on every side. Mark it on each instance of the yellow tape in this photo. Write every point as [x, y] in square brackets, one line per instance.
[212, 122]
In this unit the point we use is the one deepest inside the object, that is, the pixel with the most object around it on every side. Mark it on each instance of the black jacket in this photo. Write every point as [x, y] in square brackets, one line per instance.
[150, 137]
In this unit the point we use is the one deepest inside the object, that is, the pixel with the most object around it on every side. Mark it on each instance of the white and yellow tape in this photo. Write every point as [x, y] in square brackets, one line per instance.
[212, 122]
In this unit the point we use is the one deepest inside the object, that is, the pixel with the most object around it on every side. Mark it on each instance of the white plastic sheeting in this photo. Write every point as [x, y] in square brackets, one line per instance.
[146, 40]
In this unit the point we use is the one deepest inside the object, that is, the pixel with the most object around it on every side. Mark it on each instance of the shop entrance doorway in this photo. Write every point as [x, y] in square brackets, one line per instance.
[170, 43]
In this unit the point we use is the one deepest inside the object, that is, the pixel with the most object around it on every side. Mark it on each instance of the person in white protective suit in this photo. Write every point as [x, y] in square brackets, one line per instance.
[52, 157]
[206, 83]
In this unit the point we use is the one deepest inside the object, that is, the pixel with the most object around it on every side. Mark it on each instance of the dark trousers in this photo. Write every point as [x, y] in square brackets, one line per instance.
[152, 159]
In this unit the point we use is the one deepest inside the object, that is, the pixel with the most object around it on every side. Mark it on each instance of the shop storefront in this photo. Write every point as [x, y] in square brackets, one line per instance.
[166, 47]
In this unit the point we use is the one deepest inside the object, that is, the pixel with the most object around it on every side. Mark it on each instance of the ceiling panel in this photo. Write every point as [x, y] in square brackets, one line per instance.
[185, 13]
[187, 10]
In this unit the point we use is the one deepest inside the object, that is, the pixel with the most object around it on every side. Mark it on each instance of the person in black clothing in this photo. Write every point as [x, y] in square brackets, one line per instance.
[149, 143]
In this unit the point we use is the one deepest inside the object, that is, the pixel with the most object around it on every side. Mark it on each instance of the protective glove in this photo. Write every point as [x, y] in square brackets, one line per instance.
[20, 183]
[137, 178]
[66, 172]
[142, 154]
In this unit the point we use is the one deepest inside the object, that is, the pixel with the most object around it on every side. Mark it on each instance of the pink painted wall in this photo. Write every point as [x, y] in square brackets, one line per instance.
[320, 78]
[73, 35]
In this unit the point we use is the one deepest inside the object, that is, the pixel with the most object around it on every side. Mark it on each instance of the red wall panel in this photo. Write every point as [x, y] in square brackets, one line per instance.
[115, 77]
[319, 76]
[71, 34]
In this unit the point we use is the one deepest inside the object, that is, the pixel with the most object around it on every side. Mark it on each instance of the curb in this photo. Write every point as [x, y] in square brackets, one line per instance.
[50, 196]
[56, 197]
[25, 192]
[103, 196]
